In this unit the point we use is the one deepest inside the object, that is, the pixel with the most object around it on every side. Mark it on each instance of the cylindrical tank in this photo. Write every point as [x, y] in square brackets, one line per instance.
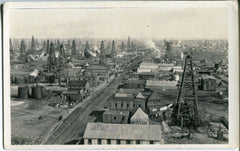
[23, 92]
[37, 92]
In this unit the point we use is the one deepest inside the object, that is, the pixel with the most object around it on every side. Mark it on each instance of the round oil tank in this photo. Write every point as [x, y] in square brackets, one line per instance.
[23, 92]
[176, 77]
[37, 92]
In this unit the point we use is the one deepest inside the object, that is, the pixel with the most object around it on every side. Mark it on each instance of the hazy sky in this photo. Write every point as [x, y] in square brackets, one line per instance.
[187, 23]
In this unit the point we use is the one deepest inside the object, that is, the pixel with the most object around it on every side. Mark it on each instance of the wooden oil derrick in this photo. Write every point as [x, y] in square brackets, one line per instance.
[185, 111]
[102, 54]
[113, 49]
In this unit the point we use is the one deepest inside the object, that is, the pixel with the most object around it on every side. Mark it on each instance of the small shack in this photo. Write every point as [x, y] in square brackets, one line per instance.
[207, 83]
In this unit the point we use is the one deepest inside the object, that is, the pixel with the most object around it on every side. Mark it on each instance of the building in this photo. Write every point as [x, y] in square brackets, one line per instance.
[105, 133]
[207, 83]
[139, 117]
[125, 103]
[154, 101]
[165, 67]
[146, 75]
[156, 84]
[134, 84]
[78, 85]
[99, 72]
[118, 117]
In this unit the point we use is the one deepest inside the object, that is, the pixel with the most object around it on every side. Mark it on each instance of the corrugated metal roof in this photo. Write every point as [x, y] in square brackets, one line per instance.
[123, 131]
[158, 83]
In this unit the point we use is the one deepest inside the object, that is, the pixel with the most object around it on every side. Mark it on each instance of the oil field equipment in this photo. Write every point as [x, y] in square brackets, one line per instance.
[185, 110]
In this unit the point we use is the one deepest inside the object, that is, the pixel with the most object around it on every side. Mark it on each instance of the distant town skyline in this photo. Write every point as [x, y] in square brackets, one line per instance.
[139, 23]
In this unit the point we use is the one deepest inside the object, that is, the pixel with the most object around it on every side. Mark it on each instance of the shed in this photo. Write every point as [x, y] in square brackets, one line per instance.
[208, 83]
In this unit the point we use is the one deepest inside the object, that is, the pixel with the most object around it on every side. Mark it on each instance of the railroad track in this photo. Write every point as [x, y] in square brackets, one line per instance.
[78, 119]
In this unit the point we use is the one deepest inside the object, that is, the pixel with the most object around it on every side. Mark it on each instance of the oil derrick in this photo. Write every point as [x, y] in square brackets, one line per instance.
[74, 49]
[61, 62]
[48, 47]
[22, 50]
[113, 49]
[51, 58]
[132, 46]
[44, 46]
[11, 46]
[33, 47]
[122, 46]
[86, 53]
[102, 54]
[128, 44]
[185, 111]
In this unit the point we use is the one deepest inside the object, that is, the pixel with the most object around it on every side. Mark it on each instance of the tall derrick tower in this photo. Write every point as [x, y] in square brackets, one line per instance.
[74, 48]
[33, 47]
[128, 44]
[185, 110]
[102, 54]
[51, 58]
[22, 50]
[113, 52]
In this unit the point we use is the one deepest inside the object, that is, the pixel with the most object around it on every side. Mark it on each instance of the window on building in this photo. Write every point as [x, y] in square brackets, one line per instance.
[121, 104]
[118, 142]
[99, 141]
[123, 118]
[137, 141]
[150, 142]
[89, 141]
[108, 141]
[127, 105]
[139, 105]
[133, 105]
[128, 142]
[114, 118]
[115, 104]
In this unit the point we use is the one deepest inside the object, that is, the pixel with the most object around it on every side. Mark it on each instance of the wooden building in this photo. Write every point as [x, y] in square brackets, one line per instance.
[120, 134]
[113, 116]
[207, 83]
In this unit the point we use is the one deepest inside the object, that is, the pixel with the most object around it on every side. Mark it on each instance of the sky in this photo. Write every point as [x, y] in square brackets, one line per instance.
[173, 23]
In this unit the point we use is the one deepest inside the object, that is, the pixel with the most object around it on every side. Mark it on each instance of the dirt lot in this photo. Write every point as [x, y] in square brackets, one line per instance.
[211, 108]
[32, 119]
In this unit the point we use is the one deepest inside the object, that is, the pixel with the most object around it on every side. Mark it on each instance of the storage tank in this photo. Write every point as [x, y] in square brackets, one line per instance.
[37, 92]
[23, 92]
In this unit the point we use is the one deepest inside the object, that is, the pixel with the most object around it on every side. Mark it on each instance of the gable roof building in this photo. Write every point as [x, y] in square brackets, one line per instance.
[105, 133]
[139, 117]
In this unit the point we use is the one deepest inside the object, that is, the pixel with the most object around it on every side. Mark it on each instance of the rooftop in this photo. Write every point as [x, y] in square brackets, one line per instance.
[114, 112]
[161, 83]
[123, 95]
[77, 82]
[135, 81]
[123, 131]
[139, 115]
[207, 77]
